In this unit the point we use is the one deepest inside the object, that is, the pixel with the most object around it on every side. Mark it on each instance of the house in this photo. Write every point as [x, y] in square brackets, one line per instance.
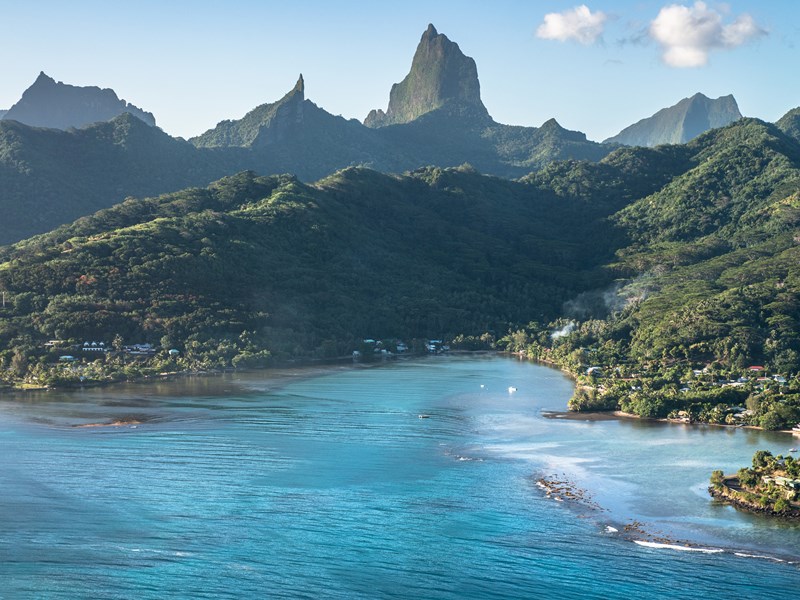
[596, 371]
[793, 484]
[434, 346]
[756, 368]
[139, 349]
[94, 347]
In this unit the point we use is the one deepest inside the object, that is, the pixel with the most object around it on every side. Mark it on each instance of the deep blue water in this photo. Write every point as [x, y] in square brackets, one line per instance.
[331, 486]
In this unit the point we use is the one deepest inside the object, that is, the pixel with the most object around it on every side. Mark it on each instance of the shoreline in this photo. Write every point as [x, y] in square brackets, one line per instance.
[613, 415]
[284, 369]
[727, 495]
[273, 377]
[561, 489]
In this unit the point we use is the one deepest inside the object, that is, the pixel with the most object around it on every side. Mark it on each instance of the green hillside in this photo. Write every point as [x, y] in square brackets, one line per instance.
[651, 265]
[302, 270]
[790, 124]
[49, 177]
[707, 286]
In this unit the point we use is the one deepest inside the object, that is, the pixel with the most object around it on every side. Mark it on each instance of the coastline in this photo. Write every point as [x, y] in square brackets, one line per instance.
[727, 495]
[561, 489]
[612, 415]
[283, 370]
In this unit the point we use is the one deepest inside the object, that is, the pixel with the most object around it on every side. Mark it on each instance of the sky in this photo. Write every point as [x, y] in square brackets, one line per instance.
[595, 66]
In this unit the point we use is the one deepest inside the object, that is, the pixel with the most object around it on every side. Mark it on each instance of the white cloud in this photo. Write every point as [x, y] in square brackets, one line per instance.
[688, 34]
[579, 24]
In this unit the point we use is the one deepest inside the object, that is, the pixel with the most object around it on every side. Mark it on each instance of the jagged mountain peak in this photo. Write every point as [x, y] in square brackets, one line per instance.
[440, 75]
[57, 105]
[300, 86]
[681, 122]
[551, 125]
[44, 79]
[262, 125]
[430, 32]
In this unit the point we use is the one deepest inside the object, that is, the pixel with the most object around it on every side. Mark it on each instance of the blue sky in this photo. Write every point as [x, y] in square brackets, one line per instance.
[596, 70]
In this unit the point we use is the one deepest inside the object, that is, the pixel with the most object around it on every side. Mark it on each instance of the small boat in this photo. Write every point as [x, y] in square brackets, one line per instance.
[424, 416]
[792, 449]
[511, 389]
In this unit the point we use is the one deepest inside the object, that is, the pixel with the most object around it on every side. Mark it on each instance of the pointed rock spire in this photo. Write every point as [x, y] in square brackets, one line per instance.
[440, 75]
[44, 78]
[262, 126]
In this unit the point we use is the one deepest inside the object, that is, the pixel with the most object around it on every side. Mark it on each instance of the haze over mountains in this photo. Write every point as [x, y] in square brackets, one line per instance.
[435, 116]
[680, 123]
[58, 105]
[50, 177]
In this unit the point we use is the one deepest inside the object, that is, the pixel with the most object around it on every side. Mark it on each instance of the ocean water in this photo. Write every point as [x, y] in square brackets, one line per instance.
[329, 485]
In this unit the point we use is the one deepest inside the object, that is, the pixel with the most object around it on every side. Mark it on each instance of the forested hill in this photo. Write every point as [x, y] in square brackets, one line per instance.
[720, 247]
[49, 177]
[683, 253]
[304, 268]
[705, 310]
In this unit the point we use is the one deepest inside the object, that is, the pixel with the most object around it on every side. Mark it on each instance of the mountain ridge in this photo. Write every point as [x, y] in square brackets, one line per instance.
[57, 105]
[672, 230]
[681, 122]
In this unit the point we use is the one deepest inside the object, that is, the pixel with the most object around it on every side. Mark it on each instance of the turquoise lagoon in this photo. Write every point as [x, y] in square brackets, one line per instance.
[329, 485]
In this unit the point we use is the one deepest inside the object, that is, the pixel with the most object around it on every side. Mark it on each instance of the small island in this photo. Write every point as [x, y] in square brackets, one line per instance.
[771, 486]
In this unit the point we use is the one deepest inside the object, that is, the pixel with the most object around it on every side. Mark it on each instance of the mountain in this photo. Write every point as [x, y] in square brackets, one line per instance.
[305, 269]
[61, 106]
[665, 259]
[3, 113]
[264, 125]
[440, 75]
[719, 248]
[439, 119]
[680, 123]
[294, 135]
[790, 123]
[49, 177]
